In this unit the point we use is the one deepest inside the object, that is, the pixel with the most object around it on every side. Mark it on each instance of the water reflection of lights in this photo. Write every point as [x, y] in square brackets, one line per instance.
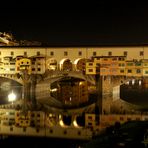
[12, 97]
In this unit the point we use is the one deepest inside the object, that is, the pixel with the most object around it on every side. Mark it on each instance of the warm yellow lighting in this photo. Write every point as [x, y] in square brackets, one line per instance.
[53, 90]
[133, 82]
[61, 123]
[140, 82]
[11, 97]
[75, 123]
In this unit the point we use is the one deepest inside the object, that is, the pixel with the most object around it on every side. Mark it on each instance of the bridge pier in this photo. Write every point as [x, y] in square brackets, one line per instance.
[105, 96]
[32, 91]
[107, 93]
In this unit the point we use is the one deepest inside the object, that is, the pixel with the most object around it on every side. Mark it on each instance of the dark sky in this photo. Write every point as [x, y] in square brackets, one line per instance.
[71, 23]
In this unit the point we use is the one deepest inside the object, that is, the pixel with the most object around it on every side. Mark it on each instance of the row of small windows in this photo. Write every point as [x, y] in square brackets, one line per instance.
[125, 53]
[138, 71]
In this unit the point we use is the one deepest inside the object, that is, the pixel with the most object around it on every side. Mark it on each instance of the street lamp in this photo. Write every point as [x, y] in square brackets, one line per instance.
[11, 97]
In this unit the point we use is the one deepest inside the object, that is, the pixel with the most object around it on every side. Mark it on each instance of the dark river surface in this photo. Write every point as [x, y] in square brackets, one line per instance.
[135, 94]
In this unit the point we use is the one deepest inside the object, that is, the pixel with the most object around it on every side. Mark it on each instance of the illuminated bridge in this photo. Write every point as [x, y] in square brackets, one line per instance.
[50, 119]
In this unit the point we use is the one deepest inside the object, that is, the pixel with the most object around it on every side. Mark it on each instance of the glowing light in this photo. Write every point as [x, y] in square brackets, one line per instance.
[53, 90]
[127, 83]
[75, 123]
[11, 97]
[61, 121]
[139, 82]
[81, 83]
[133, 82]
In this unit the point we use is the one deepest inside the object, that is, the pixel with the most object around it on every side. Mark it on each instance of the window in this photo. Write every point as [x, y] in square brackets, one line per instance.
[129, 64]
[121, 59]
[79, 133]
[138, 71]
[12, 53]
[51, 53]
[121, 71]
[138, 64]
[33, 69]
[94, 53]
[105, 59]
[25, 53]
[121, 118]
[89, 123]
[51, 131]
[38, 115]
[12, 63]
[129, 71]
[90, 64]
[114, 59]
[80, 53]
[65, 53]
[141, 53]
[90, 70]
[11, 128]
[90, 117]
[110, 53]
[0, 52]
[39, 69]
[125, 53]
[38, 53]
[12, 69]
[37, 130]
[65, 132]
[24, 129]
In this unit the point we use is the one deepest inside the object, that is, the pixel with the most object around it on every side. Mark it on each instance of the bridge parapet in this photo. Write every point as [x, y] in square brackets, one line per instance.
[12, 77]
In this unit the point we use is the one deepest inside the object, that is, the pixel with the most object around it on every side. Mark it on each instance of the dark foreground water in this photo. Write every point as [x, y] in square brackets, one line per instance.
[39, 142]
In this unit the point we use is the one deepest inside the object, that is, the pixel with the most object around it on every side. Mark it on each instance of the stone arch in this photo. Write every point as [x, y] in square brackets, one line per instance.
[80, 64]
[51, 64]
[66, 64]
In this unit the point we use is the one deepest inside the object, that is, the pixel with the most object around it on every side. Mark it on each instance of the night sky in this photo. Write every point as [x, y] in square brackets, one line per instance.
[76, 23]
